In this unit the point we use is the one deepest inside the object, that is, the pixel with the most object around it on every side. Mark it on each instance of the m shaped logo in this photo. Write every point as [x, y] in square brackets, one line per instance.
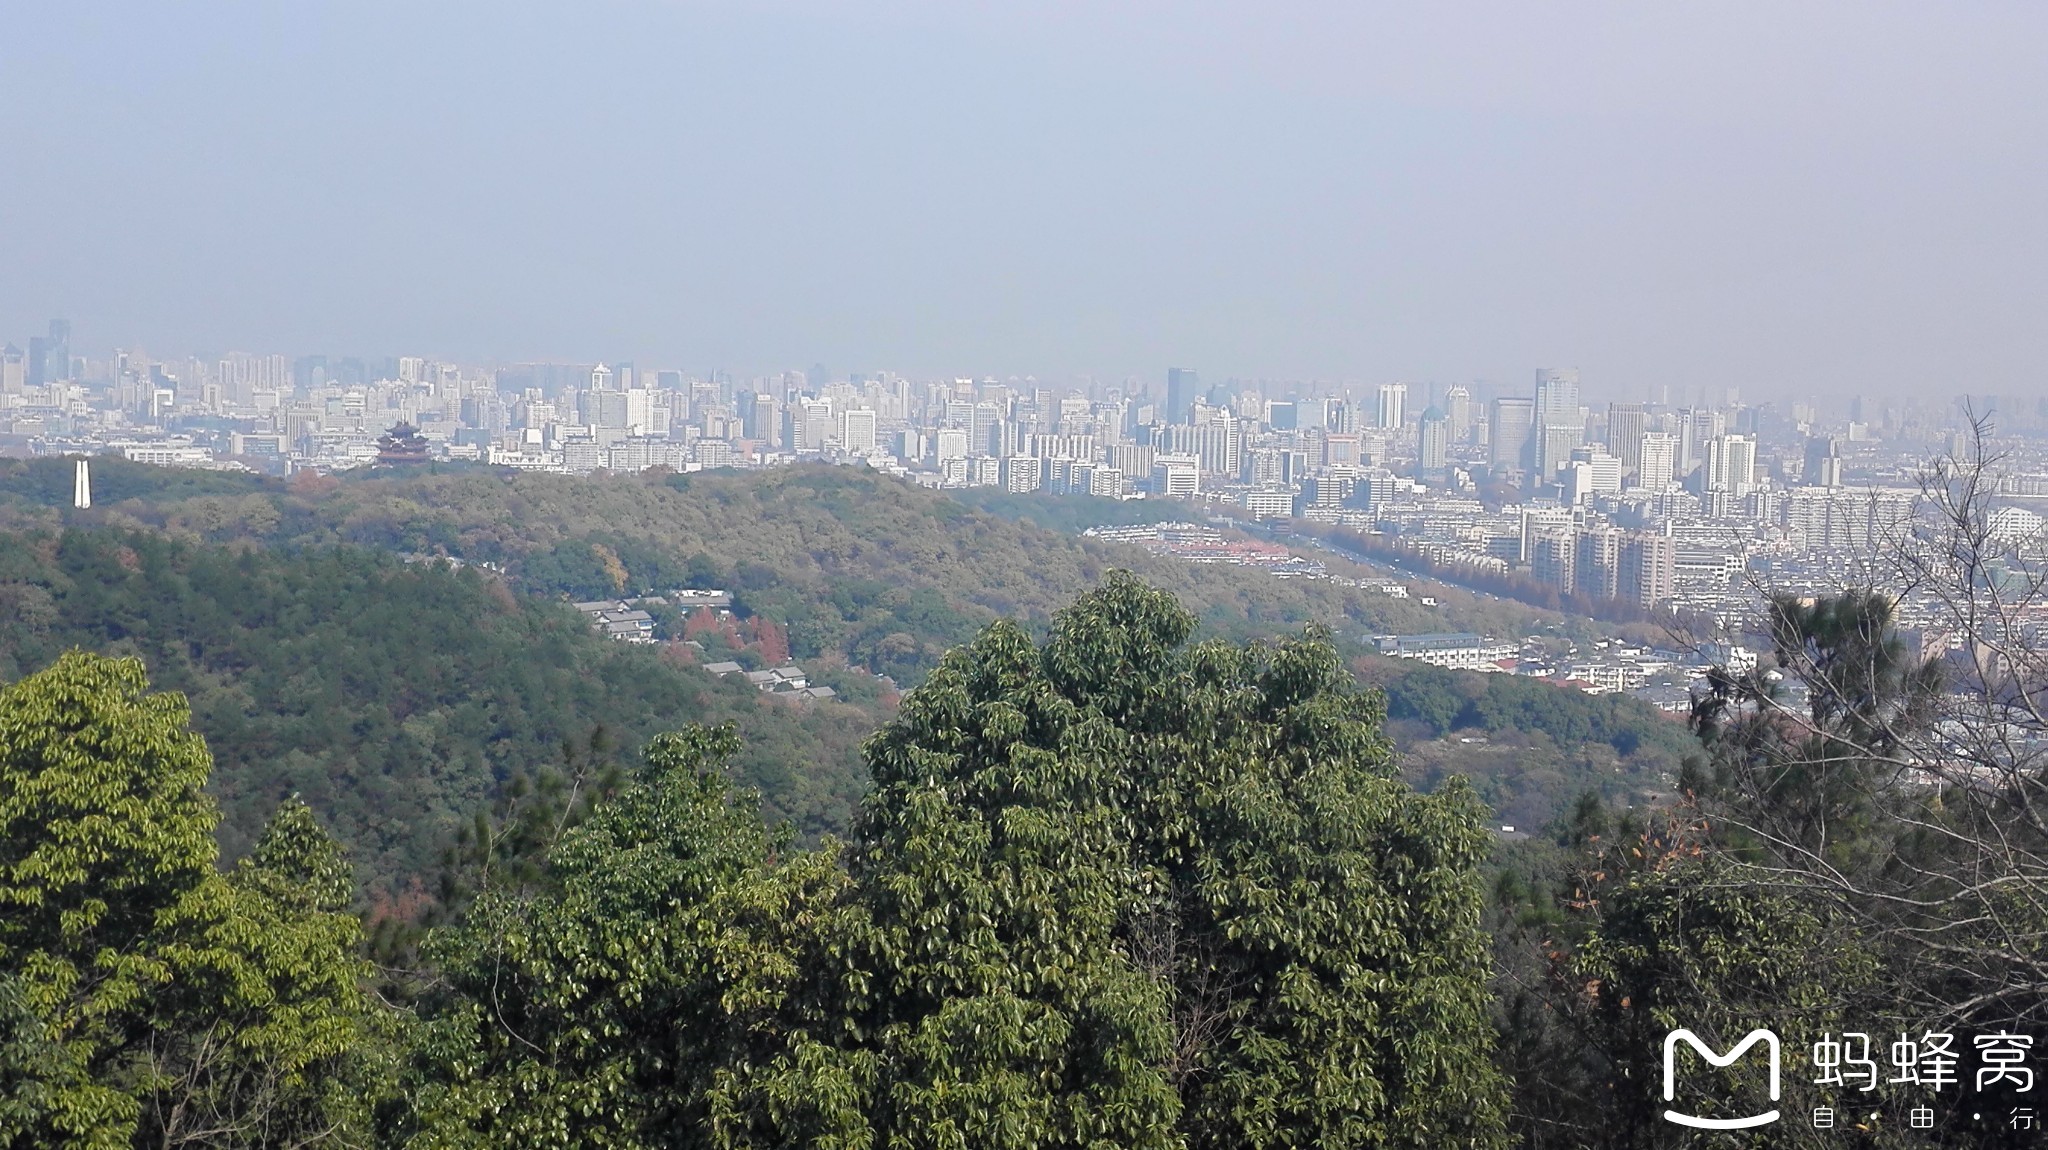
[1671, 1042]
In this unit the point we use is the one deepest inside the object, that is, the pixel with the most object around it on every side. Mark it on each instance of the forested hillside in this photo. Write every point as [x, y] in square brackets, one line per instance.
[854, 563]
[393, 697]
[1527, 746]
[400, 697]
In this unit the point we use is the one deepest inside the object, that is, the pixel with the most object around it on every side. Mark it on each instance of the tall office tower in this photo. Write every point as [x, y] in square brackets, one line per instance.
[60, 347]
[600, 378]
[1181, 385]
[49, 356]
[1823, 463]
[1338, 417]
[984, 423]
[761, 421]
[1697, 427]
[13, 370]
[1557, 395]
[1393, 409]
[1436, 443]
[1597, 565]
[1560, 426]
[1647, 574]
[1657, 460]
[1731, 465]
[1458, 410]
[1283, 415]
[1625, 427]
[1509, 435]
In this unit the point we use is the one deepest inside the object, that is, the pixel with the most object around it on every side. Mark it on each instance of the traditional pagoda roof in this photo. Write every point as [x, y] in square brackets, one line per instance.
[403, 444]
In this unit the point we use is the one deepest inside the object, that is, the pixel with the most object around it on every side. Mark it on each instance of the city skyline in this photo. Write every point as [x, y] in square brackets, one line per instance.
[274, 366]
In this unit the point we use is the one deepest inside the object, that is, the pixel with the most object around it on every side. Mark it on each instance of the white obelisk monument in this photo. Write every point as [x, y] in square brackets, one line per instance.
[81, 487]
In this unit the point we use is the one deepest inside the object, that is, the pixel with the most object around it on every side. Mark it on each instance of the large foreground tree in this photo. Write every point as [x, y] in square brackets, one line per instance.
[1111, 889]
[150, 998]
[1119, 888]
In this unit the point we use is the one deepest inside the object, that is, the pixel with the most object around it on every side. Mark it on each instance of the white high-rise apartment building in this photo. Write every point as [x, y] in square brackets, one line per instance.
[1731, 464]
[640, 410]
[1393, 409]
[857, 430]
[1659, 461]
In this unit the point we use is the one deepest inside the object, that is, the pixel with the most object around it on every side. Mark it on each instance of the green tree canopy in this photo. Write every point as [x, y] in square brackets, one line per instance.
[155, 999]
[1121, 889]
[1111, 889]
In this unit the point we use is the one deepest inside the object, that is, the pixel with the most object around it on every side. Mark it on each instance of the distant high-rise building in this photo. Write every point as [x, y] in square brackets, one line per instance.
[857, 430]
[760, 419]
[607, 409]
[1218, 444]
[1697, 427]
[1559, 423]
[1626, 423]
[601, 378]
[1730, 465]
[1647, 569]
[1557, 394]
[1283, 415]
[1657, 461]
[1510, 434]
[1393, 405]
[1435, 443]
[1554, 445]
[1182, 385]
[1554, 559]
[1458, 410]
[13, 370]
[1338, 417]
[1592, 472]
[39, 361]
[1597, 562]
[1023, 473]
[49, 356]
[1823, 463]
[1176, 475]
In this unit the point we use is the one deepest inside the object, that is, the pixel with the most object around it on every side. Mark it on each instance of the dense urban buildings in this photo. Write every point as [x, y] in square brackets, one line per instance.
[1651, 503]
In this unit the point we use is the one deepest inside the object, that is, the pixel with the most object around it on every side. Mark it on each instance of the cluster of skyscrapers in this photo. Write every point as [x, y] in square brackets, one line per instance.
[1650, 502]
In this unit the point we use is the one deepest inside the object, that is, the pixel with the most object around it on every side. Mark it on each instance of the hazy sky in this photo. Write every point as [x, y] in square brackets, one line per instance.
[1793, 198]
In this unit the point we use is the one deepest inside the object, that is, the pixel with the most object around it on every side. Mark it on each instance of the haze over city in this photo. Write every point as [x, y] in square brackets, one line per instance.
[1811, 199]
